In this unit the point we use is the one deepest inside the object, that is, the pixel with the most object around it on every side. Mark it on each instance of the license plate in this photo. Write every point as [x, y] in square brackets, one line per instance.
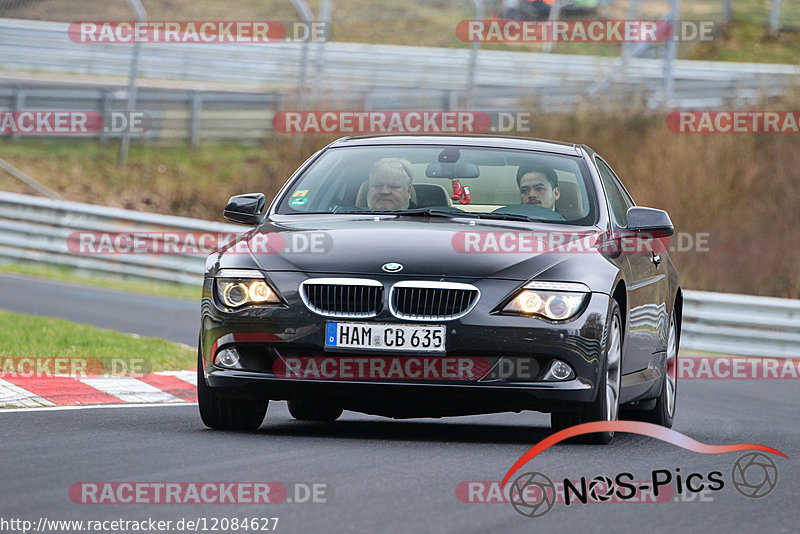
[412, 338]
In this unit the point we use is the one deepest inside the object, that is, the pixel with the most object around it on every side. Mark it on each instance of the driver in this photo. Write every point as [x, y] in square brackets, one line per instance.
[538, 186]
[390, 185]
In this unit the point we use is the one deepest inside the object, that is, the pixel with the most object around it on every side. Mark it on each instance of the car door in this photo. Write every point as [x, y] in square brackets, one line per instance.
[647, 281]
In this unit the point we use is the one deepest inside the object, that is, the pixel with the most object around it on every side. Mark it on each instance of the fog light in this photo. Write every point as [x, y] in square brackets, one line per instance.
[228, 358]
[559, 371]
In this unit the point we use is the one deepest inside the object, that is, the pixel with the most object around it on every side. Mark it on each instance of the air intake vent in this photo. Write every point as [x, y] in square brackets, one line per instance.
[343, 297]
[432, 301]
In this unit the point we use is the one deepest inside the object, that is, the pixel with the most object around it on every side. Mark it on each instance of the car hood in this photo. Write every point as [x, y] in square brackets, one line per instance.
[435, 247]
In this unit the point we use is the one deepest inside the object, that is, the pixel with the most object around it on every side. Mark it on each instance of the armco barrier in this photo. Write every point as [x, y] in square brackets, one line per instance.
[36, 229]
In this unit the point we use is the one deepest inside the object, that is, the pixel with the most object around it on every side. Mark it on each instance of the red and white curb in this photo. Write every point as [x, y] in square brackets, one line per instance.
[22, 391]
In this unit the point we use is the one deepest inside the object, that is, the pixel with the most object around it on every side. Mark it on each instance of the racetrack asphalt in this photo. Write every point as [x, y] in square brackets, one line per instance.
[134, 313]
[381, 475]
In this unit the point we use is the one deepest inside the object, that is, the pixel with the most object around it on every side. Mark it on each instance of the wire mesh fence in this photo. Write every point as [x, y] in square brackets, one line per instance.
[411, 56]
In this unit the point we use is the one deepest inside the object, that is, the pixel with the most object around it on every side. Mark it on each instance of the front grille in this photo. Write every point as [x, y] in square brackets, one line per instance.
[343, 297]
[432, 301]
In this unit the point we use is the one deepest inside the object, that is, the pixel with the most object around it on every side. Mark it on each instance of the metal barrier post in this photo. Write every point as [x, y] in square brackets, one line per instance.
[775, 17]
[727, 12]
[325, 17]
[305, 13]
[670, 55]
[197, 110]
[19, 103]
[473, 57]
[124, 146]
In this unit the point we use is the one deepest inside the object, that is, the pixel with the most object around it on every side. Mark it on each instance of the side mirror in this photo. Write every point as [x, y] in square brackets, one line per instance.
[649, 221]
[245, 209]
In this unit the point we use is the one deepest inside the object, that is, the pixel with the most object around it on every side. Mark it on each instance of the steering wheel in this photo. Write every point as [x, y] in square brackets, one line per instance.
[531, 210]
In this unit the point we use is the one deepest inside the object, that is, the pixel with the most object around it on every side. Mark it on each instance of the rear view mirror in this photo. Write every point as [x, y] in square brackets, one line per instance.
[452, 170]
[245, 209]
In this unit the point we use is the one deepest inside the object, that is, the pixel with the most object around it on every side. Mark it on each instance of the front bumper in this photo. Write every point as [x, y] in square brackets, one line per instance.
[267, 337]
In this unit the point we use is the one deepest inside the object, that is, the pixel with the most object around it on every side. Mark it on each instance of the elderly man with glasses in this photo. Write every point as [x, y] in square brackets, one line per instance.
[390, 185]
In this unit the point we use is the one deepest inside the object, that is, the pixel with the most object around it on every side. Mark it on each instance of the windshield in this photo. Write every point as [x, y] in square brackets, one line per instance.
[414, 179]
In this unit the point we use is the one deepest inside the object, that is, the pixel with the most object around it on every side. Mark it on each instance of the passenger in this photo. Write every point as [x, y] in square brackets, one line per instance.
[390, 185]
[538, 186]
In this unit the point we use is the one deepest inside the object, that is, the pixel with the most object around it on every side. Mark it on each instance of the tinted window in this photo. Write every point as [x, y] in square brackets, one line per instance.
[618, 200]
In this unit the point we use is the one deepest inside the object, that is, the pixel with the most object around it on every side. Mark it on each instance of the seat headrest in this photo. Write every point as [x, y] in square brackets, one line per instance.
[570, 203]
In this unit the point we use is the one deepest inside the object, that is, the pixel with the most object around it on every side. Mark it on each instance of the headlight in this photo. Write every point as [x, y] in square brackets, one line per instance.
[238, 287]
[552, 300]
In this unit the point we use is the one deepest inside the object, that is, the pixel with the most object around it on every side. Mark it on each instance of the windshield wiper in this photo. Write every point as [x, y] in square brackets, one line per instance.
[425, 212]
[505, 216]
[468, 214]
[429, 212]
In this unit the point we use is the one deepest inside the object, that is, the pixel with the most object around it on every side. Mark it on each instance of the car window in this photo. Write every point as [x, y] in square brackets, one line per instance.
[618, 200]
[551, 187]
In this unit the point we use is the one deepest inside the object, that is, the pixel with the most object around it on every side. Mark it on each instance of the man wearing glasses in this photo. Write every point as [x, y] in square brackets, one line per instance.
[390, 185]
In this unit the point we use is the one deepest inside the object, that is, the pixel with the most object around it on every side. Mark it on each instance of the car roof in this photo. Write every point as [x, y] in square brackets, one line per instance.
[487, 141]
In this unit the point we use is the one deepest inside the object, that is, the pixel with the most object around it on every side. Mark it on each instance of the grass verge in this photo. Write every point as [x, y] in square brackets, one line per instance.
[28, 336]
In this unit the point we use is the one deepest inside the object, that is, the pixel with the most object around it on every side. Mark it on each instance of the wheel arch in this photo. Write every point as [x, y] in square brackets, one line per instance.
[620, 294]
[678, 308]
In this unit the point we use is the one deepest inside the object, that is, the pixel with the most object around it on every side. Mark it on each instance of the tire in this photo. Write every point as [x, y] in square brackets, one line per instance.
[606, 405]
[663, 414]
[312, 410]
[225, 413]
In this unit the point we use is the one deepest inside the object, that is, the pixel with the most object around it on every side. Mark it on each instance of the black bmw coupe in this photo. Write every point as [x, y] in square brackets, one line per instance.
[429, 276]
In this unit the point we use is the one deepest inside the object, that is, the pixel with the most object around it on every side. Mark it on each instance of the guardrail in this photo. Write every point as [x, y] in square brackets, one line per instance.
[276, 67]
[171, 116]
[37, 229]
[741, 324]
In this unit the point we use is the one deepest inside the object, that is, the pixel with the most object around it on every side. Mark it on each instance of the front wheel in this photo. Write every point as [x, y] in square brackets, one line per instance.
[225, 413]
[606, 406]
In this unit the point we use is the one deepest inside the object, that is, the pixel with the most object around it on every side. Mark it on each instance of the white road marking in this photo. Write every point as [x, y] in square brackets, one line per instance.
[186, 376]
[129, 389]
[12, 395]
[92, 407]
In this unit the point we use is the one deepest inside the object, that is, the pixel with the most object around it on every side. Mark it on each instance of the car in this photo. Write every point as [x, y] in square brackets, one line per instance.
[540, 9]
[430, 276]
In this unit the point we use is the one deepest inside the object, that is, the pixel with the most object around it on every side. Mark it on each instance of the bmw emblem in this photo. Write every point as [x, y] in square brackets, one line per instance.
[392, 267]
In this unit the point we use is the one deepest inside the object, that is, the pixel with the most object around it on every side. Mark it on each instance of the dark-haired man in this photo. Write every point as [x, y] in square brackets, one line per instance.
[538, 186]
